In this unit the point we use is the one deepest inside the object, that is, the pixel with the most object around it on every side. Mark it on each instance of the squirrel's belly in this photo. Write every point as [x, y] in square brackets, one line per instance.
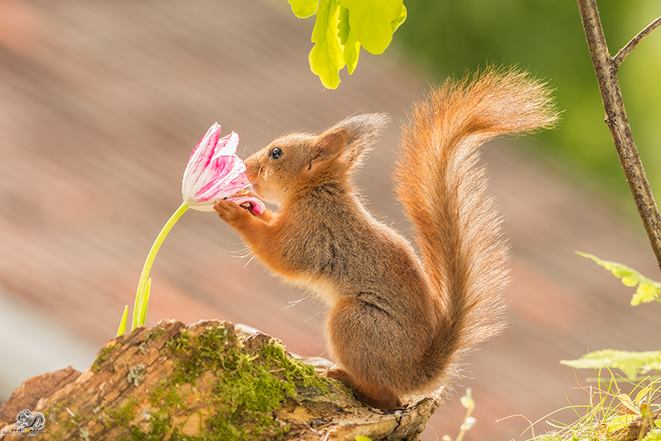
[322, 288]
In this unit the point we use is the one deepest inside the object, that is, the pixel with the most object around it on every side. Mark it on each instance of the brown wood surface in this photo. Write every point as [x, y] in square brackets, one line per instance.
[131, 372]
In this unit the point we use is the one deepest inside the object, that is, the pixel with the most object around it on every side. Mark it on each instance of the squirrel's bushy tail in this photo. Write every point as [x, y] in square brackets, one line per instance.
[457, 226]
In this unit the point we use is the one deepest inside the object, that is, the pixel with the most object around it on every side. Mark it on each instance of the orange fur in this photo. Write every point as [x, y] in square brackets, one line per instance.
[397, 325]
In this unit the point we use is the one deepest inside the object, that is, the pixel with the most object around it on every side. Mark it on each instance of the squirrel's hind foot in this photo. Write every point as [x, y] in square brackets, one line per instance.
[378, 397]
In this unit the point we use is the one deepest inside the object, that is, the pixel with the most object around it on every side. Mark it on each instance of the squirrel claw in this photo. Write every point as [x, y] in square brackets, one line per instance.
[230, 212]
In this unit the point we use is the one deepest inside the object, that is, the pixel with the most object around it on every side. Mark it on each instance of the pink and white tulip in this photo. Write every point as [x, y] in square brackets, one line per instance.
[215, 172]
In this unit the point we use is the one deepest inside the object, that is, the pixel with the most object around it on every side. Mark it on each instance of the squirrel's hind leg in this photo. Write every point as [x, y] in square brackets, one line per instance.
[361, 336]
[378, 397]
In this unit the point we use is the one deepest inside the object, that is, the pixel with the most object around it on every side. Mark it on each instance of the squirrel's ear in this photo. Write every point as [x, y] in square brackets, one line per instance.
[326, 147]
[351, 138]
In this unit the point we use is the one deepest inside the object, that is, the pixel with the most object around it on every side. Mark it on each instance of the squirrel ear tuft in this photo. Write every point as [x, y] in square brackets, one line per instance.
[351, 138]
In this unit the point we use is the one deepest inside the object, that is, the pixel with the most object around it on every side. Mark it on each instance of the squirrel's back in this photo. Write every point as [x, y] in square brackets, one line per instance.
[443, 189]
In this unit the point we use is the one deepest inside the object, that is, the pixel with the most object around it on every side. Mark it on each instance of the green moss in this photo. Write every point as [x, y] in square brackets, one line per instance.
[166, 396]
[213, 349]
[159, 426]
[103, 356]
[72, 423]
[155, 333]
[121, 415]
[245, 398]
[250, 388]
[293, 370]
[53, 412]
[179, 342]
[246, 390]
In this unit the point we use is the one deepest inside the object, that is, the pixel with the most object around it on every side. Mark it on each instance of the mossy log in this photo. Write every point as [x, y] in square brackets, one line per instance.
[211, 380]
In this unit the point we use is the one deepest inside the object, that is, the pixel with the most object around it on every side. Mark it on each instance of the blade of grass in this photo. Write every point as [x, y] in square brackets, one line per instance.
[145, 303]
[137, 305]
[122, 323]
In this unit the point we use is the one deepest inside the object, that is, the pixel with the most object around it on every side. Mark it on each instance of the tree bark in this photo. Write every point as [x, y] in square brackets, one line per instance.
[208, 381]
[605, 67]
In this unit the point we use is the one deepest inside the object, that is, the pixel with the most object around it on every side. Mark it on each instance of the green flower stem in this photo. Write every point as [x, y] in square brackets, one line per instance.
[142, 294]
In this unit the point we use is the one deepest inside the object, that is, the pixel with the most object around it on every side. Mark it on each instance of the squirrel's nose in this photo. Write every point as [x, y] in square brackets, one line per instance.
[252, 171]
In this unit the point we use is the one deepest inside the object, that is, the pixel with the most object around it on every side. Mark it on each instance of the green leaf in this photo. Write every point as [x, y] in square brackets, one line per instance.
[642, 395]
[351, 55]
[628, 403]
[351, 47]
[343, 27]
[629, 281]
[653, 435]
[620, 422]
[374, 22]
[647, 290]
[122, 323]
[399, 20]
[303, 8]
[326, 57]
[632, 364]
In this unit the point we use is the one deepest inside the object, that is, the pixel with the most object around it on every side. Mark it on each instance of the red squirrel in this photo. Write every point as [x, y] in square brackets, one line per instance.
[399, 323]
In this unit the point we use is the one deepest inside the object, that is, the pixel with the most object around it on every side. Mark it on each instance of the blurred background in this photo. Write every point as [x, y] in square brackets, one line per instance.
[101, 102]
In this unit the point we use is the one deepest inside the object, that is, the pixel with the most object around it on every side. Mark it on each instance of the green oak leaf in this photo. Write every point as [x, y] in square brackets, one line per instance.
[343, 27]
[303, 8]
[351, 54]
[374, 22]
[326, 57]
[348, 39]
[399, 20]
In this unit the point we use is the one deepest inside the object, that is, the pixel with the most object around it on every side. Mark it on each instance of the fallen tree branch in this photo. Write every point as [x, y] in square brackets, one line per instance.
[208, 381]
[618, 123]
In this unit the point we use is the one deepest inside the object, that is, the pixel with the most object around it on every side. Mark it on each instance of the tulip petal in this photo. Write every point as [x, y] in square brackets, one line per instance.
[215, 172]
[227, 145]
[200, 157]
[218, 178]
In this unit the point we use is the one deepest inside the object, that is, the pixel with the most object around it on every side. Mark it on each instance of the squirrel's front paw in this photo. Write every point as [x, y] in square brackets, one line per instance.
[231, 213]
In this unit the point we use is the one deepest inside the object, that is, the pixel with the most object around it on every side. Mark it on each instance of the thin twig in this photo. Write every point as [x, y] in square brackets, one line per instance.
[618, 123]
[622, 53]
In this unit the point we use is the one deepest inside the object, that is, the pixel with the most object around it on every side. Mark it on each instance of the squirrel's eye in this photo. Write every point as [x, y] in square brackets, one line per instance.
[276, 153]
